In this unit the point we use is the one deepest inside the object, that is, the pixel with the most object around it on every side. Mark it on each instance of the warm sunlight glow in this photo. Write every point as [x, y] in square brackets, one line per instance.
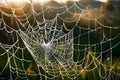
[16, 3]
[20, 3]
[60, 1]
[41, 1]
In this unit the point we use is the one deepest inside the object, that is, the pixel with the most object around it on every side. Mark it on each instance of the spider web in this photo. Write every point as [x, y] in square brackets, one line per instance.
[56, 41]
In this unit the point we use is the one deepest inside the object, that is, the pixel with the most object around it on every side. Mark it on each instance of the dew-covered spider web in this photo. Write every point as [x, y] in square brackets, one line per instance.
[76, 39]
